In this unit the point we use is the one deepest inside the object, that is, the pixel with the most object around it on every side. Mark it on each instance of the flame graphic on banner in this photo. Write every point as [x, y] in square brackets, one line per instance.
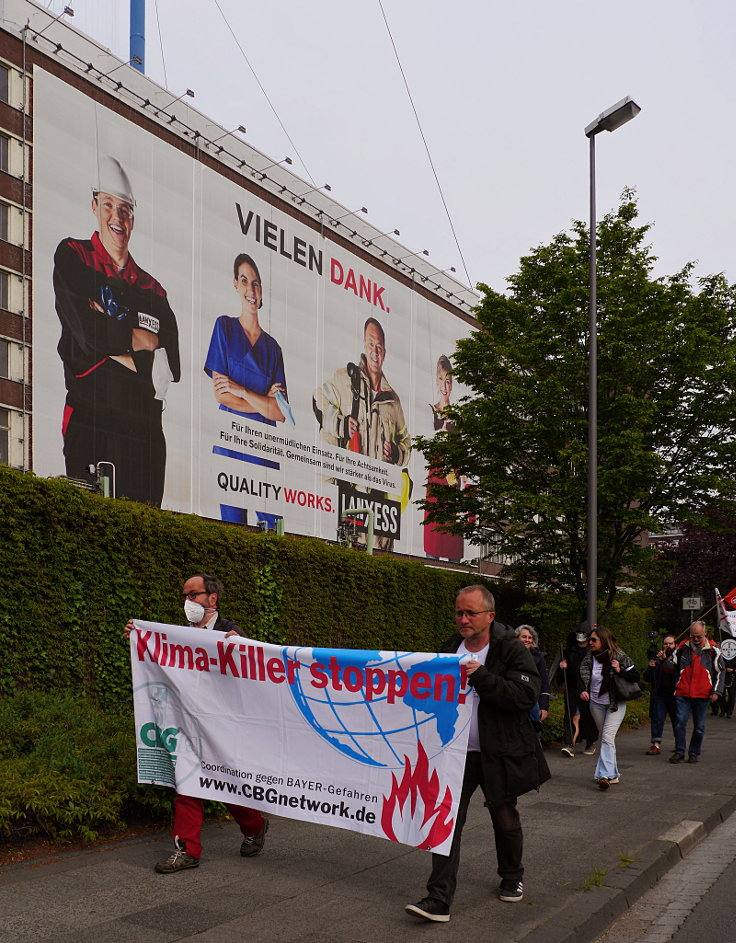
[425, 818]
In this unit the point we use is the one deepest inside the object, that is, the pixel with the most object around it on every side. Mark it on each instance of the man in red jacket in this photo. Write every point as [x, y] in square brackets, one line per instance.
[699, 670]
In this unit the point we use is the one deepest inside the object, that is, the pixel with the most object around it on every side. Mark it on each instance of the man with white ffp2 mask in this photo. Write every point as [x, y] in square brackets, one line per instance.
[201, 597]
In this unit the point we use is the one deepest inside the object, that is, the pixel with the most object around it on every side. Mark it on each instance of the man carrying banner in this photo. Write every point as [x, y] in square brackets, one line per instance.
[698, 666]
[504, 757]
[201, 597]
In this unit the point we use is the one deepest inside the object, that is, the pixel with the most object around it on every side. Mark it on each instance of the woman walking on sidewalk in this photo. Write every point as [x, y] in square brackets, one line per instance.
[603, 669]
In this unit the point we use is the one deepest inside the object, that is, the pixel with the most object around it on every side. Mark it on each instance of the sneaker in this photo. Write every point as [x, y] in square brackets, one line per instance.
[511, 890]
[677, 757]
[604, 783]
[692, 758]
[589, 750]
[253, 844]
[654, 750]
[568, 751]
[430, 909]
[178, 861]
[613, 781]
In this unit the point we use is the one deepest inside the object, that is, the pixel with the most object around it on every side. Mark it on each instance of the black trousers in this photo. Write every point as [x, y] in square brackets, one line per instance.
[134, 444]
[506, 829]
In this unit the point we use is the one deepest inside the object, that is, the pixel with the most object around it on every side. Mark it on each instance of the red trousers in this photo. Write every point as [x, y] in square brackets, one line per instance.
[188, 818]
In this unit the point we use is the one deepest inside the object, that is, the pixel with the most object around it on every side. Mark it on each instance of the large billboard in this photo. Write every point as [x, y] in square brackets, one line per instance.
[224, 357]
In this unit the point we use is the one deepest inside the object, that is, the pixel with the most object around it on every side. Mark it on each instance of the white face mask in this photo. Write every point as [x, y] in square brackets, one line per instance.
[194, 611]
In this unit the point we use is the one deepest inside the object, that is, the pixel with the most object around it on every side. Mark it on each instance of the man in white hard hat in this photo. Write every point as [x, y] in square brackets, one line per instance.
[119, 344]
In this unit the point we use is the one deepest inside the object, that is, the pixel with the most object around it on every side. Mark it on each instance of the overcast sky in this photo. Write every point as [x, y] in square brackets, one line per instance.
[503, 88]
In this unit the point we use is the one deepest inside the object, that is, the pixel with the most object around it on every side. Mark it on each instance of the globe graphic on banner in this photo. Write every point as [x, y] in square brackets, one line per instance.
[351, 722]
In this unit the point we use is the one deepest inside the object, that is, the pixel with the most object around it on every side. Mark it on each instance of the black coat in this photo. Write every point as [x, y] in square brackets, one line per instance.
[226, 625]
[544, 676]
[508, 685]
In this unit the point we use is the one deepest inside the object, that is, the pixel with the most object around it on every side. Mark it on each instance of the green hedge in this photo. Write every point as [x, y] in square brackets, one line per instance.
[77, 566]
[67, 770]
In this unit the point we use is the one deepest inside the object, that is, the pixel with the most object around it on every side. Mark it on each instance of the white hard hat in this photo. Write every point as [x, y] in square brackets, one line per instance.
[112, 179]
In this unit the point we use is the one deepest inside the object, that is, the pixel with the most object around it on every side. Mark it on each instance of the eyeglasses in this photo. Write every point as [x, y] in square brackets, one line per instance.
[593, 639]
[193, 595]
[697, 638]
[470, 613]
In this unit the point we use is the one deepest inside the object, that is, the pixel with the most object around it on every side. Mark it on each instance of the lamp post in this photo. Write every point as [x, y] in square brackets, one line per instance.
[609, 120]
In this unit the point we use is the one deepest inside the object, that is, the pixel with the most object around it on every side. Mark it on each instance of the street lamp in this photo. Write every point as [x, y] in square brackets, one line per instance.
[609, 120]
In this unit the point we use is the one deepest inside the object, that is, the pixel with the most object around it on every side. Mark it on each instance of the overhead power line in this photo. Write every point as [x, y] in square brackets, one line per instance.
[160, 42]
[424, 139]
[265, 93]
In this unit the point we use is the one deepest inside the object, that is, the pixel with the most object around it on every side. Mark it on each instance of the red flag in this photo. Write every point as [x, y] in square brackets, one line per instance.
[730, 598]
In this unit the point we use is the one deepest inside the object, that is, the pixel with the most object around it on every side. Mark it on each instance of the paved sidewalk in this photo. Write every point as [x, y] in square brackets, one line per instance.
[665, 909]
[589, 855]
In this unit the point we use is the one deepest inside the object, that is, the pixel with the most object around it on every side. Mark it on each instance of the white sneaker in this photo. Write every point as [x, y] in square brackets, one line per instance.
[568, 751]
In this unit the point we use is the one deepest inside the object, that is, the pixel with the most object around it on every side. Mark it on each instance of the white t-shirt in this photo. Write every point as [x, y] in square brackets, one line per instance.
[596, 679]
[480, 656]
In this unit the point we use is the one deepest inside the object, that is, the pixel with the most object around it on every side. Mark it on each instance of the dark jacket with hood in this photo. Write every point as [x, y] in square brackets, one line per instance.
[573, 654]
[508, 685]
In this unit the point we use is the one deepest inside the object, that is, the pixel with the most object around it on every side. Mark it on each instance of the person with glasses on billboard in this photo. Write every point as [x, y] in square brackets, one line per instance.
[698, 667]
[503, 757]
[119, 345]
[201, 598]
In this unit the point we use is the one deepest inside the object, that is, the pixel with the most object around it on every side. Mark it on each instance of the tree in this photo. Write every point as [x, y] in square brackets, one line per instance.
[666, 406]
[700, 561]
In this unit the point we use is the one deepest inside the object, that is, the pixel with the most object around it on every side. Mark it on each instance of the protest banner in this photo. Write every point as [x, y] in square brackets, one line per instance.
[371, 741]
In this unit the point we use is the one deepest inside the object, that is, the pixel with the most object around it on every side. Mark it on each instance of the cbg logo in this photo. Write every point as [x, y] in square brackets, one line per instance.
[153, 736]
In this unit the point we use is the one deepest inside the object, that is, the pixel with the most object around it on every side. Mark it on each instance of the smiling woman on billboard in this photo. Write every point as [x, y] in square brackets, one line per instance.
[246, 363]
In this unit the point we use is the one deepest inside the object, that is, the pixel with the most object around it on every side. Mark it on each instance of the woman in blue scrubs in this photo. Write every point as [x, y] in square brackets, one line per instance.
[246, 363]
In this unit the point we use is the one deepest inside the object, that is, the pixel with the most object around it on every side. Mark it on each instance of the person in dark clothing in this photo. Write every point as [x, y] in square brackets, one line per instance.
[578, 723]
[661, 676]
[728, 698]
[504, 756]
[529, 638]
[119, 345]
